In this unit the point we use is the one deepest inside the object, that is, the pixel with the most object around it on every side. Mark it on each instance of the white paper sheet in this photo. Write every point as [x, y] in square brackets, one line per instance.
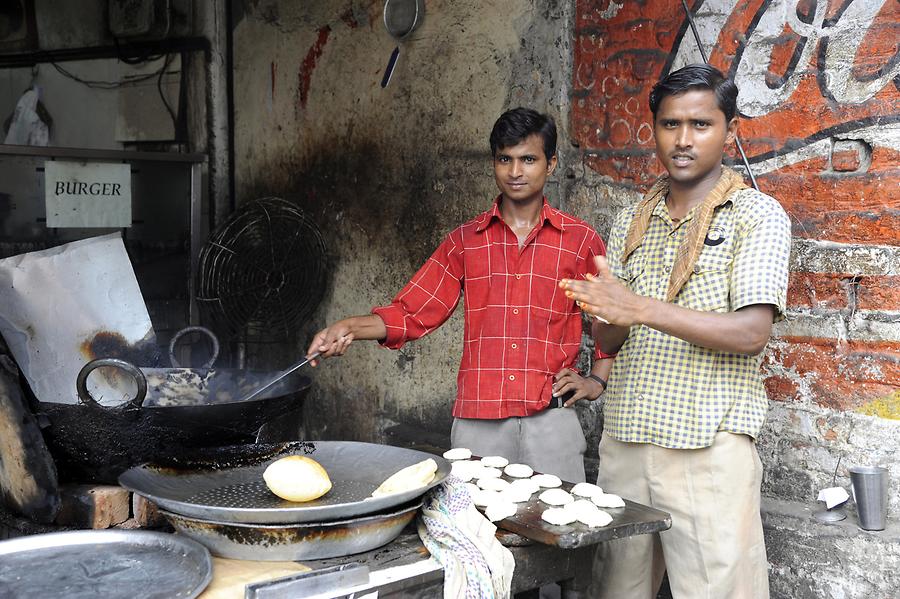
[57, 304]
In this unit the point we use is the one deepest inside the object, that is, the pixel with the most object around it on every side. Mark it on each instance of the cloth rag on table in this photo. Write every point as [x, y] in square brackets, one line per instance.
[458, 536]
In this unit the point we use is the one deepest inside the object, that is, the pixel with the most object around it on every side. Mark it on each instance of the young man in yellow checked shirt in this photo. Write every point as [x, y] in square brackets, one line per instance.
[695, 275]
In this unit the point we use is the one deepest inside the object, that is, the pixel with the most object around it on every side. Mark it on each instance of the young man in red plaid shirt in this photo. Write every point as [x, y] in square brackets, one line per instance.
[522, 334]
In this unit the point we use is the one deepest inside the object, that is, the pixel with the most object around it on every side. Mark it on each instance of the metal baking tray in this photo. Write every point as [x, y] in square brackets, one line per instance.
[296, 542]
[113, 564]
[239, 494]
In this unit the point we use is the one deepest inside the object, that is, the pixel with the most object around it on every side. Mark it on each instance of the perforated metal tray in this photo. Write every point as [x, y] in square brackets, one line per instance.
[113, 564]
[239, 494]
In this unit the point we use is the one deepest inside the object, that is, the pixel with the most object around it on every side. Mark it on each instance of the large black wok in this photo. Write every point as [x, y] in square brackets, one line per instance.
[174, 411]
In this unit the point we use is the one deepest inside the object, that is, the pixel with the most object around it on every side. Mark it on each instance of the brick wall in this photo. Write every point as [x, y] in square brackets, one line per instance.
[820, 105]
[821, 125]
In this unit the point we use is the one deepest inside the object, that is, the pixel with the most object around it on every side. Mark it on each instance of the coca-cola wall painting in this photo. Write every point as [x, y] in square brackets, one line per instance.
[819, 103]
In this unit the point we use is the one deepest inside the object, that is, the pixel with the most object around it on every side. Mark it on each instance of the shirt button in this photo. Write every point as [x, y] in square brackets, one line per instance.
[512, 377]
[515, 310]
[518, 276]
[514, 346]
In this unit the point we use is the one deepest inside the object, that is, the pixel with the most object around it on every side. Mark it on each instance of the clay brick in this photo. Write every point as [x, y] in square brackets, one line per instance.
[146, 513]
[839, 375]
[780, 388]
[878, 293]
[93, 506]
[817, 290]
[846, 161]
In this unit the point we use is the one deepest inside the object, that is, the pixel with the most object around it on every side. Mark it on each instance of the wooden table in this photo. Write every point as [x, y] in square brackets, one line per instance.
[544, 553]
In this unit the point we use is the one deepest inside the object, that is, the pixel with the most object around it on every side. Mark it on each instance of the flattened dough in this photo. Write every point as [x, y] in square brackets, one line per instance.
[407, 479]
[595, 519]
[608, 500]
[586, 490]
[458, 453]
[498, 510]
[483, 498]
[488, 472]
[494, 461]
[518, 470]
[516, 494]
[556, 497]
[526, 484]
[493, 484]
[558, 516]
[550, 481]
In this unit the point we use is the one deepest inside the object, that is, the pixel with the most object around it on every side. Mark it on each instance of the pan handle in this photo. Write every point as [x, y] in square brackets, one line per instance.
[85, 396]
[195, 329]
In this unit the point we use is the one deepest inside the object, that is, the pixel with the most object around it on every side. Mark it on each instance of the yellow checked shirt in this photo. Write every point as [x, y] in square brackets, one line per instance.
[669, 392]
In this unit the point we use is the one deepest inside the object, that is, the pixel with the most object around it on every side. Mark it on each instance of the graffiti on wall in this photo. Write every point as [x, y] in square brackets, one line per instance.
[819, 99]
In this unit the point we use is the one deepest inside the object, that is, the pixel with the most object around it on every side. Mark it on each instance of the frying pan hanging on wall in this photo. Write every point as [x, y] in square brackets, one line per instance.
[401, 17]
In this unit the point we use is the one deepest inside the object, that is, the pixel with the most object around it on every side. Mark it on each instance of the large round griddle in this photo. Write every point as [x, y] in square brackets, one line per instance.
[113, 564]
[239, 494]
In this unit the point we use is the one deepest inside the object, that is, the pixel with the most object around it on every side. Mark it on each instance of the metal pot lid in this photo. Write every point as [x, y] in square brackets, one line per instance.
[86, 564]
[239, 494]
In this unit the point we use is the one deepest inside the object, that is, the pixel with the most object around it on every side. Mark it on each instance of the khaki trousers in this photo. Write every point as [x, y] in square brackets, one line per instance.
[550, 441]
[715, 548]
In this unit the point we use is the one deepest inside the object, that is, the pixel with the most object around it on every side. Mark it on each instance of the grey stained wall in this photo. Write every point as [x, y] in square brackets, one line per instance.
[387, 173]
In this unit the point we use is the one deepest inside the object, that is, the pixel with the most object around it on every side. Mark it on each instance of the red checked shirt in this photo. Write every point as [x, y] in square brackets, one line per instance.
[520, 328]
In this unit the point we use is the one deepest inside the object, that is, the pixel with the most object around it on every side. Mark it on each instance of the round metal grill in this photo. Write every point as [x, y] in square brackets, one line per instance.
[262, 272]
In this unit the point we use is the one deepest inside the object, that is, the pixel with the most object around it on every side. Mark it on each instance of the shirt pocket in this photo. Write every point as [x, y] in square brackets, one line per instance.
[708, 287]
[636, 277]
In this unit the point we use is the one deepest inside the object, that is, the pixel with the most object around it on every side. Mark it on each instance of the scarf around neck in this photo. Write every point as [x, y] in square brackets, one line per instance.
[729, 182]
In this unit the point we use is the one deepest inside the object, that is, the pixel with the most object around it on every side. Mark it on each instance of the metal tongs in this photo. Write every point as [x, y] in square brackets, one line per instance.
[279, 377]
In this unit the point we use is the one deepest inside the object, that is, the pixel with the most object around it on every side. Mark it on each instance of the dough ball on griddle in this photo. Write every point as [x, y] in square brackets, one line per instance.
[297, 478]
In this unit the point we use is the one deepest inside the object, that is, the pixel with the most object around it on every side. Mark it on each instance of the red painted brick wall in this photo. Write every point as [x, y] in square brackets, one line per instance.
[820, 104]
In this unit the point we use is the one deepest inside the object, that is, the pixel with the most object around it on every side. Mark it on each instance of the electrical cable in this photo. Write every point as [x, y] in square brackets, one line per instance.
[737, 140]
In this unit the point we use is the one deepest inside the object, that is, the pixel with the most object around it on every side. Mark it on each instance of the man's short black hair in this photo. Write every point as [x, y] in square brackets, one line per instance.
[517, 124]
[697, 76]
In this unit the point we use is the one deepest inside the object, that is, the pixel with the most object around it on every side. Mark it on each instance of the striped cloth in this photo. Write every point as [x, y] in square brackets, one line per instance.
[476, 565]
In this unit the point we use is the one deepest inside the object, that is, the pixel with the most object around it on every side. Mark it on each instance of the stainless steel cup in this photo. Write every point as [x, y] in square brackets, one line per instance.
[870, 492]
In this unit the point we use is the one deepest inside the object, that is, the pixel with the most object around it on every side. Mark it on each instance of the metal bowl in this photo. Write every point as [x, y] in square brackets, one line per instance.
[239, 494]
[293, 542]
